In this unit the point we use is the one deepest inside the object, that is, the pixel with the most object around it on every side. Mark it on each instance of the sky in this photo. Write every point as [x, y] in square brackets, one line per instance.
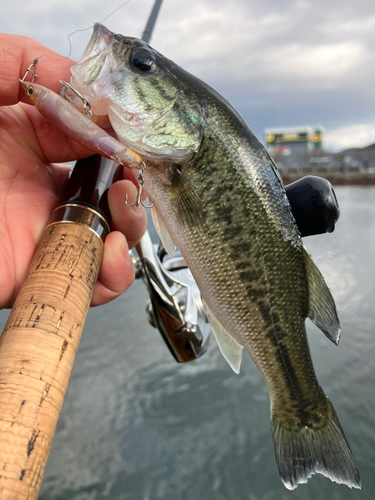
[278, 62]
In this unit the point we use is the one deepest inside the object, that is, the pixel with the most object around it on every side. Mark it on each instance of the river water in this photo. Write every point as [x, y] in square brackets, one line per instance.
[137, 426]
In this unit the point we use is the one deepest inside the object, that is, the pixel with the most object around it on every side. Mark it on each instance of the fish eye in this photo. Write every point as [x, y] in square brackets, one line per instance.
[142, 60]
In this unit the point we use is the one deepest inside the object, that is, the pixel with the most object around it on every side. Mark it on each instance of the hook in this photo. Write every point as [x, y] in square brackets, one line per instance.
[30, 70]
[140, 181]
[87, 109]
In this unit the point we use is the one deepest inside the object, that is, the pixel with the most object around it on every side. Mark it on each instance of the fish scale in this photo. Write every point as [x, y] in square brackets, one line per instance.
[220, 200]
[245, 319]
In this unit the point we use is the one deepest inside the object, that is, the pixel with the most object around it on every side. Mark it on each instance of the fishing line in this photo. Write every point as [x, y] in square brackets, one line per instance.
[36, 59]
[33, 62]
[90, 27]
[118, 8]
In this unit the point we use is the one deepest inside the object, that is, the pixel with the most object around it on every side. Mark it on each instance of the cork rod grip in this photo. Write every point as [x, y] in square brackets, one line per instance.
[37, 351]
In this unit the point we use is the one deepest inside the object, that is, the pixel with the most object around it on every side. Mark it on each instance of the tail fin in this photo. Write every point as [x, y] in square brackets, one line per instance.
[303, 451]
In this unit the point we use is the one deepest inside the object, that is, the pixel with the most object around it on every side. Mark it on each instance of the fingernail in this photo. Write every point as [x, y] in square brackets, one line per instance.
[131, 258]
[126, 252]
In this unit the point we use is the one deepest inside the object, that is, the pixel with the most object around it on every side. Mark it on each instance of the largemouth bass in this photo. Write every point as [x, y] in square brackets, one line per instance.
[220, 200]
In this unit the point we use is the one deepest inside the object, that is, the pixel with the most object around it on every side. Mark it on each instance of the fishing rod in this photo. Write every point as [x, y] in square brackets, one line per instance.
[146, 35]
[43, 331]
[41, 337]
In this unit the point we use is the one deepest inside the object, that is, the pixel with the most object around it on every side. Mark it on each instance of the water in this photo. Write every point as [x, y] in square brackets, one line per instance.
[137, 426]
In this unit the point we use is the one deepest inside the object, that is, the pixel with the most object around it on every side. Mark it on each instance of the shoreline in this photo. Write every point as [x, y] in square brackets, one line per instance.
[335, 178]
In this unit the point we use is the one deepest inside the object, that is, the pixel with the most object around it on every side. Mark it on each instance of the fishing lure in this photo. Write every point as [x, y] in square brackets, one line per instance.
[78, 126]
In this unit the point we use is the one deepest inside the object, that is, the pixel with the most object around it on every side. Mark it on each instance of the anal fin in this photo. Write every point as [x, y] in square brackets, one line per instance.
[322, 308]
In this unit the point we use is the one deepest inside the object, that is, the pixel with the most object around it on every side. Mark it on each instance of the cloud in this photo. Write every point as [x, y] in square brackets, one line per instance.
[358, 135]
[294, 61]
[290, 62]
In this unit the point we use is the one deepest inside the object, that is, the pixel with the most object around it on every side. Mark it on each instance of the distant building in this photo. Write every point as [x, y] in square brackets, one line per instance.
[292, 141]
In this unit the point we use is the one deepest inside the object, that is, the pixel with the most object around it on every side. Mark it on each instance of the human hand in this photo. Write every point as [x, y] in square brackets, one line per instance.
[30, 181]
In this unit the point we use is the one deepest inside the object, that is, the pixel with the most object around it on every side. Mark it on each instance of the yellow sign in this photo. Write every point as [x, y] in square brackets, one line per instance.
[316, 137]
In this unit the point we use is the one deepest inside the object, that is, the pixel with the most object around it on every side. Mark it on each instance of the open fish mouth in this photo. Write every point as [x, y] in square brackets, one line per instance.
[100, 40]
[124, 79]
[97, 71]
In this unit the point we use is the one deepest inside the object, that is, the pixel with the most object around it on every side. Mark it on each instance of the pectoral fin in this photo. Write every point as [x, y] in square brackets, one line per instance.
[162, 231]
[322, 308]
[229, 347]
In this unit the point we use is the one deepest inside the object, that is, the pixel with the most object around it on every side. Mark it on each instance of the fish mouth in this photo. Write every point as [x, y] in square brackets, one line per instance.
[95, 71]
[104, 77]
[100, 40]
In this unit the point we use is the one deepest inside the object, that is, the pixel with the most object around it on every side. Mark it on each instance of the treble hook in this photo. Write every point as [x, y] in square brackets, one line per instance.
[30, 70]
[87, 109]
[140, 181]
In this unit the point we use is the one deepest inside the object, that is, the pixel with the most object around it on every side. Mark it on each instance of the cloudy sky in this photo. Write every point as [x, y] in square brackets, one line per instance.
[279, 62]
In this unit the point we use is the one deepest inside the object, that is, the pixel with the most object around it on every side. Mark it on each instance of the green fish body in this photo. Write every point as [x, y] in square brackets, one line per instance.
[220, 200]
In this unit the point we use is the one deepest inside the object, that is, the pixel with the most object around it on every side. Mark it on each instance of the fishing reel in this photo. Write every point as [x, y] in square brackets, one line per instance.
[175, 306]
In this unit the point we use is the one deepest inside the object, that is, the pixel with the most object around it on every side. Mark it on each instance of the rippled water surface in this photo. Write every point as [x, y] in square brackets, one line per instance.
[136, 425]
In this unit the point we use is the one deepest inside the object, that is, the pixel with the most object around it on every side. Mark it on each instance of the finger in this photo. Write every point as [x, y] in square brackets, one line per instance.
[131, 221]
[51, 143]
[16, 54]
[116, 272]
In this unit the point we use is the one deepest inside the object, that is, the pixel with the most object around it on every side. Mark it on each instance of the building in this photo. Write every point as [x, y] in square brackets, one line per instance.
[293, 141]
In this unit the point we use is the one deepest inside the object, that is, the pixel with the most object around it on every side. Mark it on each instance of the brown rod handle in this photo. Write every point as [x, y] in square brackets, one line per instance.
[39, 344]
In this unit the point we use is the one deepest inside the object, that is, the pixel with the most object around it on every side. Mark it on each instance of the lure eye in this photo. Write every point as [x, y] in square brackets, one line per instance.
[30, 90]
[142, 60]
